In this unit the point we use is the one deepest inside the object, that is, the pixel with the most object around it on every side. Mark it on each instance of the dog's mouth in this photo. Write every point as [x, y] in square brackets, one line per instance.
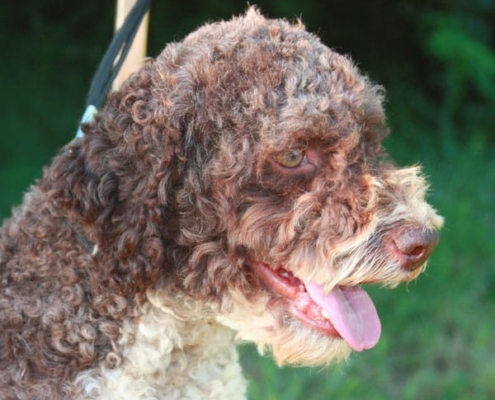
[344, 312]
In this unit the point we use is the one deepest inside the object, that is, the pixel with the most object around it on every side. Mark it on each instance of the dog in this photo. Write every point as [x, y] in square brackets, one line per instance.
[235, 189]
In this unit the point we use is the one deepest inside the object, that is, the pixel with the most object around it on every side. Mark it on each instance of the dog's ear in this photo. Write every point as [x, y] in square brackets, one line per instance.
[114, 183]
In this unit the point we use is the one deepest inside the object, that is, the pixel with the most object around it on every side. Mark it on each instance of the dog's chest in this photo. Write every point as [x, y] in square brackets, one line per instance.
[164, 359]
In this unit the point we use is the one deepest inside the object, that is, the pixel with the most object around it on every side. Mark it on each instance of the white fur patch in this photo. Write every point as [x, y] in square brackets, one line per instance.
[167, 358]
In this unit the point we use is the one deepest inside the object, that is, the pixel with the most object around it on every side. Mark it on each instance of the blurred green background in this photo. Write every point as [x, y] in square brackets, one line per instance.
[437, 61]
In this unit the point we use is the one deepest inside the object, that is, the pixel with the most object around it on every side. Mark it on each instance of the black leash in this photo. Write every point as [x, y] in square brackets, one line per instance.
[100, 85]
[110, 65]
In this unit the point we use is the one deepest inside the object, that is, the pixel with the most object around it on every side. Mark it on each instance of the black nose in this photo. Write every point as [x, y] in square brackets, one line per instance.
[414, 246]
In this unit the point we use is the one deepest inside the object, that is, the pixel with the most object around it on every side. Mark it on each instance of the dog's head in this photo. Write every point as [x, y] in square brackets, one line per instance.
[245, 165]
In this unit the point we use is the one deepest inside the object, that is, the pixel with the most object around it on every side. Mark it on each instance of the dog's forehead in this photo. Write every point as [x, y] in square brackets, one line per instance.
[272, 79]
[324, 104]
[261, 48]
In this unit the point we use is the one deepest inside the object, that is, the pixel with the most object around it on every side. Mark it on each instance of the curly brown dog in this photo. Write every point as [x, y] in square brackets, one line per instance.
[235, 189]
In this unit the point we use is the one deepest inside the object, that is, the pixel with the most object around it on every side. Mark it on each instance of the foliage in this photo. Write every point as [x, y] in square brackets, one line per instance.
[463, 46]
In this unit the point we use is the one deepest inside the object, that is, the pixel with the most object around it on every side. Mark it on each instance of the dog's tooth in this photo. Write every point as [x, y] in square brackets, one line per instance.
[324, 314]
[284, 274]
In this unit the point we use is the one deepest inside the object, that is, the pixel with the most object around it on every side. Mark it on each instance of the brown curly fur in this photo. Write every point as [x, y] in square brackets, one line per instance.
[176, 181]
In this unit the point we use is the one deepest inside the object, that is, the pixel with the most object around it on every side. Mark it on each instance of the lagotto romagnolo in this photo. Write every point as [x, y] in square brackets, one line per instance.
[234, 189]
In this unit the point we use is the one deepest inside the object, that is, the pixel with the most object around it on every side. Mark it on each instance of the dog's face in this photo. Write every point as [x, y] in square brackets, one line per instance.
[283, 204]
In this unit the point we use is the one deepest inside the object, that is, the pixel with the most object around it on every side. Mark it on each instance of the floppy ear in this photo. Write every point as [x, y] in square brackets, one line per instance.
[114, 183]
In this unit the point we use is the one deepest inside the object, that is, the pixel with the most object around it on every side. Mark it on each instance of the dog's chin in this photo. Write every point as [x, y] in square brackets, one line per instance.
[284, 320]
[269, 323]
[297, 343]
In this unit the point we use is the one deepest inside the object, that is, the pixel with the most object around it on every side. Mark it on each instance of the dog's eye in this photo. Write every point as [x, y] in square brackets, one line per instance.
[291, 158]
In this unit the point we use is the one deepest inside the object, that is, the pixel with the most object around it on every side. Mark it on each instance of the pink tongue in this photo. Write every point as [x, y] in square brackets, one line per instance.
[352, 313]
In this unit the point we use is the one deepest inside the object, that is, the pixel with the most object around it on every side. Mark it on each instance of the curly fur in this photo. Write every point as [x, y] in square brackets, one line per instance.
[177, 183]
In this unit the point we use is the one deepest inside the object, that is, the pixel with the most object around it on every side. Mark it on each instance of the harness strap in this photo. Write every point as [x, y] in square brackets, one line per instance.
[102, 81]
[112, 61]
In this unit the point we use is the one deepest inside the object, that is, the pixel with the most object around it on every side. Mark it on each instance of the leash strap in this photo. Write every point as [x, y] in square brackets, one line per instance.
[112, 61]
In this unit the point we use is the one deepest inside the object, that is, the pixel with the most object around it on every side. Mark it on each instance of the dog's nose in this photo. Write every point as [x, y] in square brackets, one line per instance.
[414, 246]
